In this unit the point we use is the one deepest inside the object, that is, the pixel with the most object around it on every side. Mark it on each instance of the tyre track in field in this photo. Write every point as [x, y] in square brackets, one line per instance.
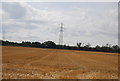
[55, 59]
[42, 58]
[72, 59]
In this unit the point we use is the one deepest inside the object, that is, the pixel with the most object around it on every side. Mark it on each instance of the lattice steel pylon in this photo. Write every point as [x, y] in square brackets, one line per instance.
[61, 34]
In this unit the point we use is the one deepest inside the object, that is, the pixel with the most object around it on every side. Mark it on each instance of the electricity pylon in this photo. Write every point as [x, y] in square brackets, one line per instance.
[61, 34]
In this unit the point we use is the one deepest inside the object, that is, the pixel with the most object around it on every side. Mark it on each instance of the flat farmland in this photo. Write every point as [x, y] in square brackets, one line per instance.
[42, 63]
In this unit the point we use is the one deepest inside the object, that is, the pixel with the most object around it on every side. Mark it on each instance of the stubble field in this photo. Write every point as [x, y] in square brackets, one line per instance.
[42, 63]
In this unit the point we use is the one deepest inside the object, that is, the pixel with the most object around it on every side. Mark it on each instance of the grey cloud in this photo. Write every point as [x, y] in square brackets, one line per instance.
[33, 21]
[17, 26]
[14, 9]
[74, 33]
[112, 34]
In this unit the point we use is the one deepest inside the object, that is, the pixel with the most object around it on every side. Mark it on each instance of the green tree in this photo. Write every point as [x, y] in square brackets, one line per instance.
[79, 45]
[49, 44]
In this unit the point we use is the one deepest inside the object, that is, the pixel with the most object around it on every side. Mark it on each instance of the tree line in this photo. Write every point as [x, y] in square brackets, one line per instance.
[51, 44]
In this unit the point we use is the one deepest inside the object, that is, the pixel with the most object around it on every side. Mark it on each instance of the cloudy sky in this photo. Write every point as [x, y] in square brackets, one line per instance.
[87, 22]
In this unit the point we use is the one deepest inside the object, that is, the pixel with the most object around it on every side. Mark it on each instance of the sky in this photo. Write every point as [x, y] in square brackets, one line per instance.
[86, 22]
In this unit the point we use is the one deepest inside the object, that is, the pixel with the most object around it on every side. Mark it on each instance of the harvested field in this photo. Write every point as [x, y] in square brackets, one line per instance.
[42, 63]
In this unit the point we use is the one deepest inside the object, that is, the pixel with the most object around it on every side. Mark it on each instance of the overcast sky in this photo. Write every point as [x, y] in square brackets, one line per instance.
[87, 22]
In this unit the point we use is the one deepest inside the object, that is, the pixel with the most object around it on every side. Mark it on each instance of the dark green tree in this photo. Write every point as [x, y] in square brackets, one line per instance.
[49, 44]
[79, 45]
